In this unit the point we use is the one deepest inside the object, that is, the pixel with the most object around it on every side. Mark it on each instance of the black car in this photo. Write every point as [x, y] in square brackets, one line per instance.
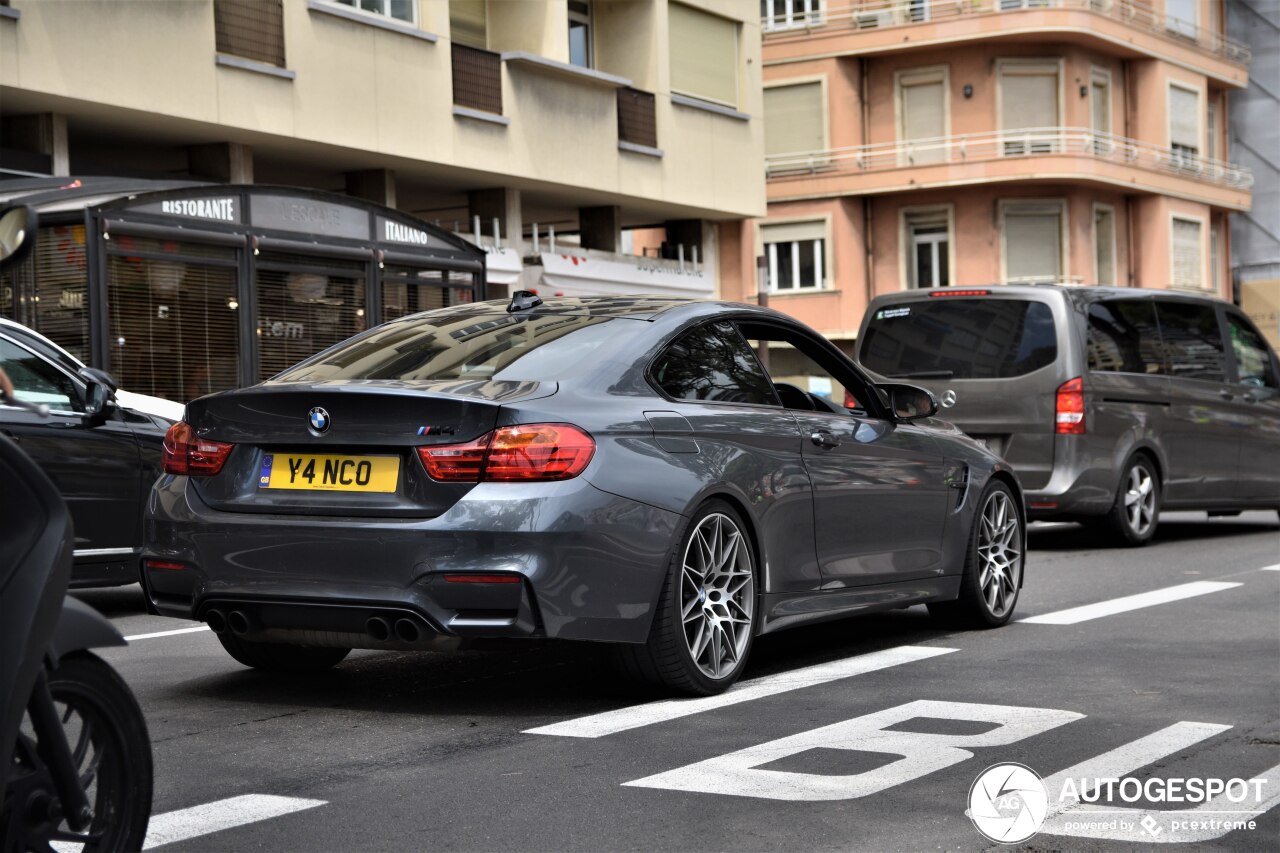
[668, 476]
[102, 456]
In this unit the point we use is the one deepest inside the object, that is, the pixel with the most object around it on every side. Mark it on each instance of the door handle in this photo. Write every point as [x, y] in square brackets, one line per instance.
[822, 438]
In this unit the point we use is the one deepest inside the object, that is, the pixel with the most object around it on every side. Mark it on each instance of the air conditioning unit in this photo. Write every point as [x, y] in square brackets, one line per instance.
[874, 20]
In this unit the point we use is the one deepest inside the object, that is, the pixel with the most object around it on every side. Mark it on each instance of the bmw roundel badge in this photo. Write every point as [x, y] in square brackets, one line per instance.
[318, 420]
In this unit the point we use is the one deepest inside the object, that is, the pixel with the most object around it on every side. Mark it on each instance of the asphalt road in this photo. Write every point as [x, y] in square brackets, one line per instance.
[432, 751]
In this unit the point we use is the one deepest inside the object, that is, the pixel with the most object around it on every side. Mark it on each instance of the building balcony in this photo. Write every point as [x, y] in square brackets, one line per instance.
[1038, 155]
[1120, 27]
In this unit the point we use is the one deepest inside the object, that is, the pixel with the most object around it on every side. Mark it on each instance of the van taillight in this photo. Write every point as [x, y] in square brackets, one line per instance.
[186, 453]
[1069, 411]
[524, 452]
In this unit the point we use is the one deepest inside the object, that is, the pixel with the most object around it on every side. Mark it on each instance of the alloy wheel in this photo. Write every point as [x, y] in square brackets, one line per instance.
[999, 553]
[1140, 500]
[717, 595]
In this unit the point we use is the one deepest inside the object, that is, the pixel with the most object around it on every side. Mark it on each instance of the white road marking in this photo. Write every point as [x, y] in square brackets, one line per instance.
[167, 633]
[612, 722]
[219, 815]
[1275, 568]
[1129, 602]
[742, 773]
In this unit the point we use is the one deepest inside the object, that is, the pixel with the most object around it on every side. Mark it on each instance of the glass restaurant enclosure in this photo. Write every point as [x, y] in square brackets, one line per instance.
[180, 289]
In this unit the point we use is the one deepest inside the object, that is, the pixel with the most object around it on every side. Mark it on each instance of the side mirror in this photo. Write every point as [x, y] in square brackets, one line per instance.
[910, 402]
[94, 374]
[17, 234]
[96, 396]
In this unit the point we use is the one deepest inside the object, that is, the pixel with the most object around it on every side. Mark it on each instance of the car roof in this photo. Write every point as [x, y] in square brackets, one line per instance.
[1077, 292]
[630, 307]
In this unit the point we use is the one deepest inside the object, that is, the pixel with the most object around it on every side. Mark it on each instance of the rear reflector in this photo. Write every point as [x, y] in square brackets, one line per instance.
[165, 565]
[522, 453]
[184, 452]
[948, 291]
[1044, 504]
[482, 578]
[1069, 411]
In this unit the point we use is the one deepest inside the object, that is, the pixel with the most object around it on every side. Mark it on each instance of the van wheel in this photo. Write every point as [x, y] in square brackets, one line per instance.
[1133, 517]
[993, 566]
[281, 657]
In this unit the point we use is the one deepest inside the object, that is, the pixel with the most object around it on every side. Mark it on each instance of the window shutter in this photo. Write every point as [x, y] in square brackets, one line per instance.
[1028, 100]
[1104, 233]
[924, 117]
[793, 231]
[468, 23]
[1188, 266]
[704, 55]
[1033, 245]
[1184, 114]
[793, 119]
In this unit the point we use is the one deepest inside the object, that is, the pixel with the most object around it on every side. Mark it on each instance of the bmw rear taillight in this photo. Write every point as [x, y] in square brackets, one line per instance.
[184, 452]
[527, 452]
[1069, 409]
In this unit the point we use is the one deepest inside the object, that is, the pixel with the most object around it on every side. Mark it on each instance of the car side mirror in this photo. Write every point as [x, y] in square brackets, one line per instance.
[17, 234]
[96, 397]
[910, 402]
[95, 374]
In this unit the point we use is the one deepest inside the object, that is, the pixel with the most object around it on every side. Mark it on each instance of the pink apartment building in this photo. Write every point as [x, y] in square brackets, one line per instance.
[935, 143]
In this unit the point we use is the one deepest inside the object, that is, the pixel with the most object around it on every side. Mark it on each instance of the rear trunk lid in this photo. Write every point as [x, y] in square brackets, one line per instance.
[345, 447]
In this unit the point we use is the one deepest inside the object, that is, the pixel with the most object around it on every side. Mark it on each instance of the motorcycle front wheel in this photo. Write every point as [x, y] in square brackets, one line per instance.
[111, 750]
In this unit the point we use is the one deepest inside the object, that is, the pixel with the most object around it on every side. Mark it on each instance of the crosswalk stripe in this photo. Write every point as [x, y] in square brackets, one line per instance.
[212, 817]
[635, 716]
[1275, 568]
[167, 633]
[1127, 603]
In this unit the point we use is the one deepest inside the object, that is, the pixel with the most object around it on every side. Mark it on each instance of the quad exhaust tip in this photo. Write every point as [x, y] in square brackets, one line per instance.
[378, 628]
[238, 622]
[217, 621]
[407, 631]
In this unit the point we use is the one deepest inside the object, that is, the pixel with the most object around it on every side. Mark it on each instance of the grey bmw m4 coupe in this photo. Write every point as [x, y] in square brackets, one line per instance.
[671, 477]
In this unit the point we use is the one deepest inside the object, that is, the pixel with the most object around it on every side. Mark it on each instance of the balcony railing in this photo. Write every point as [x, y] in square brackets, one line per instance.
[1005, 145]
[882, 14]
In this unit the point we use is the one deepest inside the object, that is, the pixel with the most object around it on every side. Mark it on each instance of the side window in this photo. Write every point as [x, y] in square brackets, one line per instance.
[714, 363]
[1124, 337]
[806, 379]
[1192, 341]
[1254, 365]
[37, 381]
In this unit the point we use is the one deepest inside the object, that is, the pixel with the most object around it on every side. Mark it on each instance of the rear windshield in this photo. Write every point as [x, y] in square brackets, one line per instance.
[960, 338]
[540, 347]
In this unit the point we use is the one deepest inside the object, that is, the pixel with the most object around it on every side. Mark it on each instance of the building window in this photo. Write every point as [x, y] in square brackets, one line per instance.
[922, 114]
[1215, 255]
[928, 241]
[1184, 127]
[1211, 129]
[790, 14]
[253, 29]
[1029, 108]
[796, 254]
[1180, 17]
[1188, 253]
[1104, 245]
[794, 119]
[50, 290]
[304, 305]
[580, 46]
[1100, 111]
[469, 23]
[704, 55]
[401, 10]
[1032, 236]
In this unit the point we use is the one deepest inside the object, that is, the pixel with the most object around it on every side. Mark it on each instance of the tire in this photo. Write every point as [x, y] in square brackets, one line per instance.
[993, 566]
[1132, 520]
[108, 737]
[281, 657]
[688, 650]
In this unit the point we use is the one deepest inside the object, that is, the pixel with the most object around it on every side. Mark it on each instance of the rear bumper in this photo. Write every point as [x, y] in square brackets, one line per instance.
[589, 563]
[1083, 482]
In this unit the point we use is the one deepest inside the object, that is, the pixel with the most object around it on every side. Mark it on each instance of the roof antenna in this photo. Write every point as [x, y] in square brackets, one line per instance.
[523, 300]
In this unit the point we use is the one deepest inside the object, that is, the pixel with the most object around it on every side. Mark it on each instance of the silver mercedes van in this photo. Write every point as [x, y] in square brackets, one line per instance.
[1111, 404]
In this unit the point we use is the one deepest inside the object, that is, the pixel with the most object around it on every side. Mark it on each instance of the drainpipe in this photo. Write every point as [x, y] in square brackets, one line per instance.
[1131, 249]
[868, 241]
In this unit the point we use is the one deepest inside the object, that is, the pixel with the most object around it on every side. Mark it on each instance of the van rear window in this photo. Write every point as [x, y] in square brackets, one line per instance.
[966, 338]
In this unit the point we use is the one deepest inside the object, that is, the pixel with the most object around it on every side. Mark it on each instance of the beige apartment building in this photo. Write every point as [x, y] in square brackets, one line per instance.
[935, 143]
[547, 132]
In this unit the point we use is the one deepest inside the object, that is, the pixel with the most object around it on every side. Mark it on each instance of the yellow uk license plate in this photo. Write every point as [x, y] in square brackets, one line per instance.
[322, 472]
